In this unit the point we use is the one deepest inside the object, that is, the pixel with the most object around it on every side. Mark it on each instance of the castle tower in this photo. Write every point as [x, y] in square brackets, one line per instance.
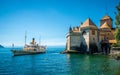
[90, 35]
[73, 39]
[105, 32]
[106, 29]
[107, 19]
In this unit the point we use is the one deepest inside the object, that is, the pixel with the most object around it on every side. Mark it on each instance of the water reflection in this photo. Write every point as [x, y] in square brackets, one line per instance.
[92, 65]
[54, 63]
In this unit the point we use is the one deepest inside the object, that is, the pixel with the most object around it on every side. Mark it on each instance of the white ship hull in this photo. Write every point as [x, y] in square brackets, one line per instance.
[33, 48]
[23, 52]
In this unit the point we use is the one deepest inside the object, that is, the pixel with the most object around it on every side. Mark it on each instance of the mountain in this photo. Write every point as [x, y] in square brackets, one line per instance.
[1, 46]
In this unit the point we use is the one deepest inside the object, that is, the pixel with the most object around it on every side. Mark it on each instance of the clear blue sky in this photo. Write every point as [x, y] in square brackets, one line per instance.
[48, 19]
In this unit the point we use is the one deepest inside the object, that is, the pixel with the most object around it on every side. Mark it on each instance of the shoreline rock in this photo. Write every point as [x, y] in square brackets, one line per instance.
[1, 46]
[69, 51]
[115, 52]
[78, 52]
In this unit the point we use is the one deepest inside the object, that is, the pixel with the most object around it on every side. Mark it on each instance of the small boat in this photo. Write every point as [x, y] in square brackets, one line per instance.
[32, 48]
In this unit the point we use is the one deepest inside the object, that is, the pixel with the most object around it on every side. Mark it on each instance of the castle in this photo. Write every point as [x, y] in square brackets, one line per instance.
[86, 38]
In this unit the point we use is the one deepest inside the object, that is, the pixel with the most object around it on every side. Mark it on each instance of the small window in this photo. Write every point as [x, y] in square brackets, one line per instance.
[107, 37]
[93, 32]
[104, 29]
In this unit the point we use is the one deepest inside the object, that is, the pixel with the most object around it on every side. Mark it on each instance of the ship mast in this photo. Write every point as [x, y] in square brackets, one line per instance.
[39, 40]
[12, 46]
[25, 37]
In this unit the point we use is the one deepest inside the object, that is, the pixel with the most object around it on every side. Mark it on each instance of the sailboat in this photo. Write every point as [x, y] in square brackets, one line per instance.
[32, 48]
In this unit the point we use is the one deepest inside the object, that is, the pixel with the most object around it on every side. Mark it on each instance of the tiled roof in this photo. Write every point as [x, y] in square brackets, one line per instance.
[105, 25]
[106, 17]
[112, 41]
[88, 23]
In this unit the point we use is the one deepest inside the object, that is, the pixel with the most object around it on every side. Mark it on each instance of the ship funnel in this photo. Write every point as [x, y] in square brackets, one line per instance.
[33, 41]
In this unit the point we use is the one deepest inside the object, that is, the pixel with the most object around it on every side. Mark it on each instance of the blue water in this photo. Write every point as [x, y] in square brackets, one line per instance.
[54, 63]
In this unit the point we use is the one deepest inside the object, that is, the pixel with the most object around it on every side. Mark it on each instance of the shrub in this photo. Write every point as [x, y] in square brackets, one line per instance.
[116, 44]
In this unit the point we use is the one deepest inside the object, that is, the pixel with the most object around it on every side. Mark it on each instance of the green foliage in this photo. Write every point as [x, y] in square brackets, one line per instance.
[117, 22]
[117, 31]
[117, 34]
[116, 44]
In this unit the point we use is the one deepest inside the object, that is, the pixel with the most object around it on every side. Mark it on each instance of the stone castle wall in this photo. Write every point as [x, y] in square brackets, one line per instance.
[87, 37]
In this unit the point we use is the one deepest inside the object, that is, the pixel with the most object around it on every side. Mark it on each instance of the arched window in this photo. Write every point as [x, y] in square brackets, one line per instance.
[84, 32]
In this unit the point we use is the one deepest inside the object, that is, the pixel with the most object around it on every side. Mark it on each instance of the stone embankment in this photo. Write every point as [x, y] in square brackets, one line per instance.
[115, 52]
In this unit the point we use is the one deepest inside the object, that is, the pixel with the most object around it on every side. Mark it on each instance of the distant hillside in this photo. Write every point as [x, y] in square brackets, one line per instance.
[1, 46]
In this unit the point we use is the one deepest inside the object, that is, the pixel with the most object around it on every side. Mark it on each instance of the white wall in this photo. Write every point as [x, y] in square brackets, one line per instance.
[68, 43]
[75, 41]
[86, 37]
[93, 36]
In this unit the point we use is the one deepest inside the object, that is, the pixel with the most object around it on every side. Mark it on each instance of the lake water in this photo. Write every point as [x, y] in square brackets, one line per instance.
[54, 63]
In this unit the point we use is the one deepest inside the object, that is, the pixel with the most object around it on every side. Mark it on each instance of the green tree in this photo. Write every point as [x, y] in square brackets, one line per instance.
[117, 34]
[117, 23]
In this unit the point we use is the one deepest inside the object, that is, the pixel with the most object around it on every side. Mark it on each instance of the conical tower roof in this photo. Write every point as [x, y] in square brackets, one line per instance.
[88, 23]
[105, 25]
